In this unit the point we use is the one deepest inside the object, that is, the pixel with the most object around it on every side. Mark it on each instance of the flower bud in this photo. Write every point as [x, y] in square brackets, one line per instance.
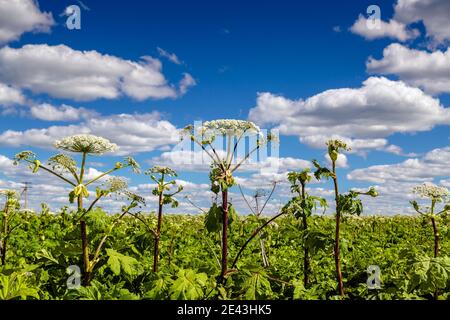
[334, 155]
[37, 163]
[81, 190]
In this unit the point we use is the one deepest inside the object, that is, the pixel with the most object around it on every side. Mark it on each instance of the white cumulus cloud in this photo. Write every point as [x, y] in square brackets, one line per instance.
[133, 133]
[20, 16]
[48, 112]
[427, 70]
[435, 15]
[432, 165]
[63, 72]
[10, 96]
[392, 29]
[363, 116]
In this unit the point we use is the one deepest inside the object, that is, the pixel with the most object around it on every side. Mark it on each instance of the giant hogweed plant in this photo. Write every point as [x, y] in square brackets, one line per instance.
[118, 187]
[348, 203]
[161, 176]
[302, 206]
[223, 167]
[64, 167]
[7, 214]
[436, 195]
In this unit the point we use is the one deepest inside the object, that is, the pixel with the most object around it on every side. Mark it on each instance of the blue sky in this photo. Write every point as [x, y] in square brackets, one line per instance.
[231, 52]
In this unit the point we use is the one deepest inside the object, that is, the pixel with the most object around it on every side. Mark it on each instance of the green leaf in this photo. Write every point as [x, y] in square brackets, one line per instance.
[321, 172]
[213, 219]
[114, 264]
[160, 286]
[316, 240]
[188, 285]
[428, 274]
[118, 263]
[16, 285]
[350, 204]
[46, 255]
[257, 286]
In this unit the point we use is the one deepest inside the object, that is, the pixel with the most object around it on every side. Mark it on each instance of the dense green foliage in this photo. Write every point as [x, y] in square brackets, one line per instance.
[43, 246]
[89, 254]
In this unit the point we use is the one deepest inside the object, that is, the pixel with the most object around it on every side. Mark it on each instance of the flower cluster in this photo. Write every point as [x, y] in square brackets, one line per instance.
[429, 190]
[12, 199]
[9, 193]
[134, 198]
[86, 143]
[133, 164]
[115, 184]
[336, 144]
[162, 170]
[62, 162]
[230, 127]
[25, 156]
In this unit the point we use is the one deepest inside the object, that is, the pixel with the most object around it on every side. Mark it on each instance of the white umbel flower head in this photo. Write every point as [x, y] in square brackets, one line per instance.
[115, 184]
[9, 193]
[230, 127]
[162, 170]
[429, 190]
[86, 143]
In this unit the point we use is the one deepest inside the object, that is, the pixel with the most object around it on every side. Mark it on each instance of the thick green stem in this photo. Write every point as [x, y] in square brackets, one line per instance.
[85, 249]
[337, 255]
[229, 157]
[80, 203]
[435, 230]
[80, 197]
[3, 243]
[3, 251]
[436, 237]
[224, 235]
[83, 164]
[83, 230]
[436, 240]
[158, 234]
[305, 249]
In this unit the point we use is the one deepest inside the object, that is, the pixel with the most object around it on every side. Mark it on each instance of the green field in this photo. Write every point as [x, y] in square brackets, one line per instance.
[43, 246]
